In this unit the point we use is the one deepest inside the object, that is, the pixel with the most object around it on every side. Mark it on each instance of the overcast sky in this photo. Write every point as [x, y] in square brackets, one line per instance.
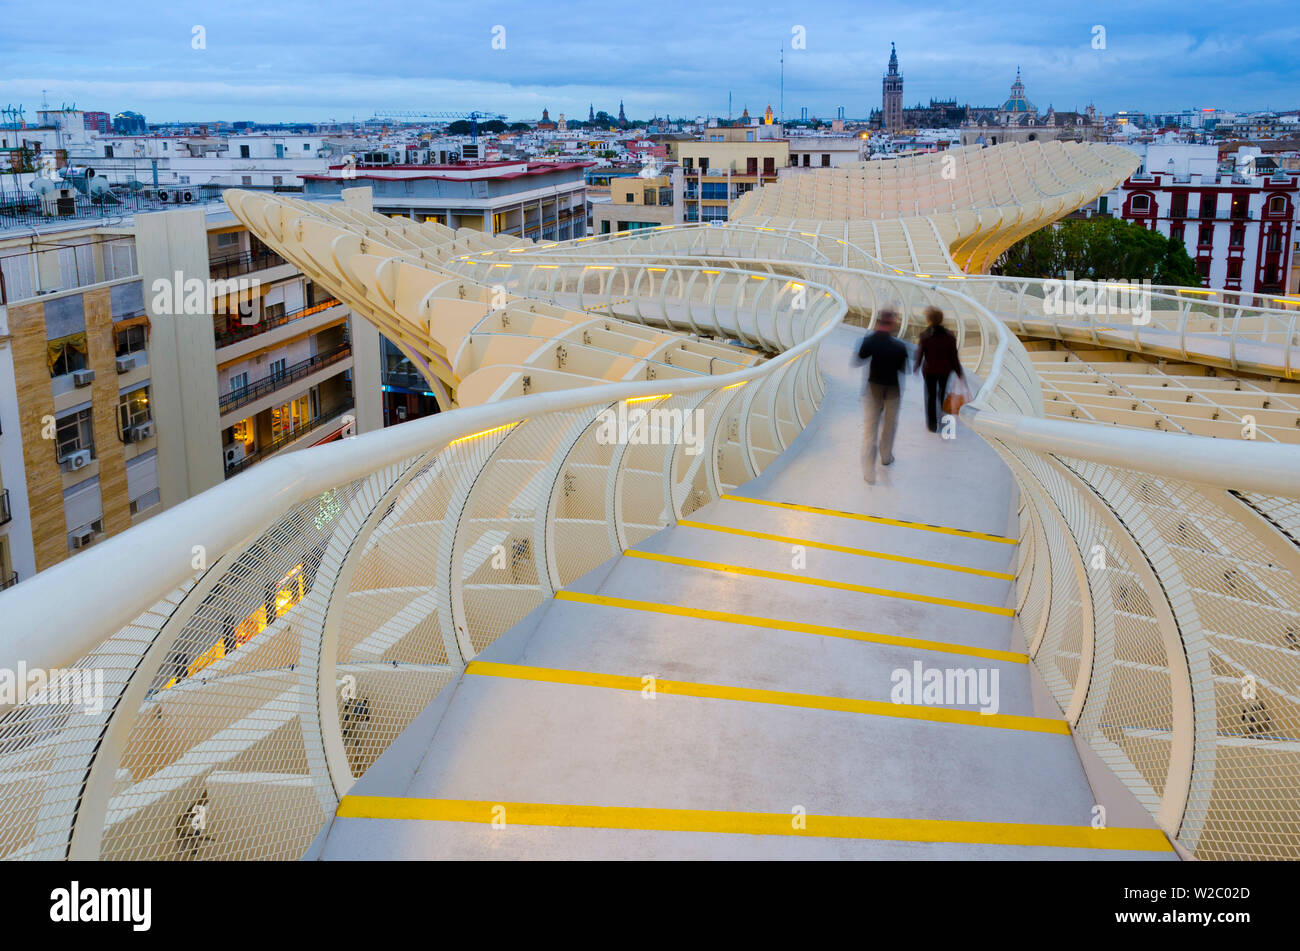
[328, 59]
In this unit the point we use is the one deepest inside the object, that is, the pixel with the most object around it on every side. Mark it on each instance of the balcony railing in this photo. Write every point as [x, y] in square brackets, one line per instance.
[274, 381]
[6, 513]
[243, 263]
[275, 445]
[236, 332]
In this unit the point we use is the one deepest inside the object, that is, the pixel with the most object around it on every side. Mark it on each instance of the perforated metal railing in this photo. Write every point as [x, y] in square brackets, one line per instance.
[1257, 333]
[244, 656]
[252, 651]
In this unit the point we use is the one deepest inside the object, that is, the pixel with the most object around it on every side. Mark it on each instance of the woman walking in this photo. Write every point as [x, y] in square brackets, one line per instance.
[936, 358]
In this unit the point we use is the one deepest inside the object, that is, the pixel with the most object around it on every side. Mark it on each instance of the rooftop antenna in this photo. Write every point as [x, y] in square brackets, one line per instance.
[782, 99]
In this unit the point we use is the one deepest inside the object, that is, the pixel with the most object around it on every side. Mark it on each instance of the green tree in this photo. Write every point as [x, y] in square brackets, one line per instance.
[1100, 248]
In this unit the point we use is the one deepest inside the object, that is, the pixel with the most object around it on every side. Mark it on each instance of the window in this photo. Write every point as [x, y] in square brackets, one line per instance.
[243, 151]
[1176, 233]
[826, 160]
[306, 147]
[289, 418]
[1237, 238]
[277, 180]
[133, 409]
[1275, 240]
[1178, 205]
[1209, 204]
[1203, 268]
[132, 339]
[1141, 203]
[769, 166]
[67, 354]
[183, 179]
[751, 165]
[73, 433]
[704, 164]
[278, 369]
[807, 159]
[238, 382]
[227, 239]
[108, 151]
[628, 198]
[246, 179]
[1206, 235]
[146, 501]
[1277, 205]
[716, 191]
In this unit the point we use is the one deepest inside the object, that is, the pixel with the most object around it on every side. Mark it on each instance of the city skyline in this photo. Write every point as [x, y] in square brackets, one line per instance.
[300, 63]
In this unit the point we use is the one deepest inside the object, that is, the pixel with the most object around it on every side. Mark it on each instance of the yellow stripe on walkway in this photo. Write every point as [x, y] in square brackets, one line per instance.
[864, 552]
[820, 582]
[751, 823]
[903, 711]
[774, 624]
[877, 519]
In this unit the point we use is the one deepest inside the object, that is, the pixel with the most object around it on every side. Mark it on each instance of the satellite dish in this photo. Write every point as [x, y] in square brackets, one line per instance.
[42, 186]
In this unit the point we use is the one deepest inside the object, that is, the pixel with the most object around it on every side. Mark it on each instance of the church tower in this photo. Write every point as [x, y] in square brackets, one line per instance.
[622, 118]
[891, 90]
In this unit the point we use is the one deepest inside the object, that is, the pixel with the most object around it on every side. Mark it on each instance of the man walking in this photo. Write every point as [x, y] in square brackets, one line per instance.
[887, 358]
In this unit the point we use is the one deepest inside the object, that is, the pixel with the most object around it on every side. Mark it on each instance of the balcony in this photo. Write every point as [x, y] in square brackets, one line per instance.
[290, 374]
[6, 513]
[275, 445]
[246, 262]
[237, 332]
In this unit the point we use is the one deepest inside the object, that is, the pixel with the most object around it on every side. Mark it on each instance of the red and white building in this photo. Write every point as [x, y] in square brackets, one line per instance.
[1239, 226]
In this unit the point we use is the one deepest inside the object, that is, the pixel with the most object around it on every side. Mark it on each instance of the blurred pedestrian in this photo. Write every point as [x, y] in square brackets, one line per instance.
[887, 360]
[937, 360]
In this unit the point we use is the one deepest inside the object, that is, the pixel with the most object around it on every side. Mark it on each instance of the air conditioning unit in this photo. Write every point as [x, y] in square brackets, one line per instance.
[233, 454]
[83, 377]
[75, 460]
[142, 431]
[81, 537]
[128, 362]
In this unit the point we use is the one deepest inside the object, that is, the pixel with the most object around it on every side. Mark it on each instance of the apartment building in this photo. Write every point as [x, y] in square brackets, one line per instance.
[1238, 226]
[636, 202]
[144, 361]
[826, 151]
[540, 200]
[726, 164]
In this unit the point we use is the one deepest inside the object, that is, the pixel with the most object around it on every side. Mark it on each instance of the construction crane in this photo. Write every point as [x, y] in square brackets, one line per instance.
[473, 118]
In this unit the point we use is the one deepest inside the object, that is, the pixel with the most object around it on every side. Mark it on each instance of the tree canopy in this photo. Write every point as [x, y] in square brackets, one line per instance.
[1100, 248]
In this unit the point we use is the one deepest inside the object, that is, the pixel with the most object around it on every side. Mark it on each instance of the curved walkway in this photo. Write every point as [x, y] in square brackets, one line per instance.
[726, 689]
